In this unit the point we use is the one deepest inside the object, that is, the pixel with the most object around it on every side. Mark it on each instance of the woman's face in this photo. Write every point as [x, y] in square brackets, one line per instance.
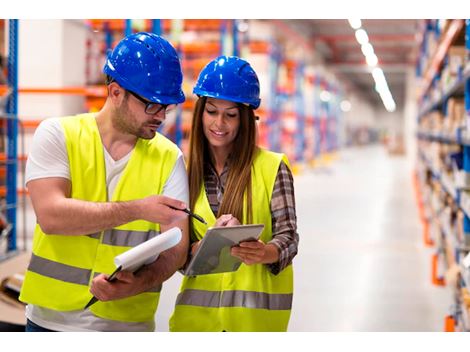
[220, 122]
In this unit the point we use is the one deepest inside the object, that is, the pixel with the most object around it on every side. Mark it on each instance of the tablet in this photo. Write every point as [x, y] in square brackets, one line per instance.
[213, 255]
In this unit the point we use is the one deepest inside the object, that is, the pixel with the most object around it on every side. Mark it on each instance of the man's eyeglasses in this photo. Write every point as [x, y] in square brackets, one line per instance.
[154, 108]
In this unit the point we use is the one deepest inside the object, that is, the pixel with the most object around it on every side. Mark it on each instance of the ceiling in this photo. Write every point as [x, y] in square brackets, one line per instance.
[395, 42]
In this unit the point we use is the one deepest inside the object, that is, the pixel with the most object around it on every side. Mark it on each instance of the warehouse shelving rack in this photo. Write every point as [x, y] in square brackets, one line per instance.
[9, 157]
[443, 171]
[281, 128]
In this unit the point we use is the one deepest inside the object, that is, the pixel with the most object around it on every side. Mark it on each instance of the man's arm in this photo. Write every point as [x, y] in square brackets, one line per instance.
[58, 214]
[129, 284]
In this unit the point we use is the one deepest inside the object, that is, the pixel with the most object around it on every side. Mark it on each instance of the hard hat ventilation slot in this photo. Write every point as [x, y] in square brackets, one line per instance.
[242, 68]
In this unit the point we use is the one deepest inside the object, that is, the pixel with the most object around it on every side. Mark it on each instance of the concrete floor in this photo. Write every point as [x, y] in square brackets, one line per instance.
[361, 265]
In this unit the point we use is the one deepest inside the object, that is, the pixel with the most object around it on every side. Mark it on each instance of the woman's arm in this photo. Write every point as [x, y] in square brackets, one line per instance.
[279, 252]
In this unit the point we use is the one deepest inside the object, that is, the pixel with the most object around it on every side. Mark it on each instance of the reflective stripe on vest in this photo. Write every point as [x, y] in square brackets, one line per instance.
[124, 238]
[66, 273]
[59, 271]
[127, 238]
[245, 299]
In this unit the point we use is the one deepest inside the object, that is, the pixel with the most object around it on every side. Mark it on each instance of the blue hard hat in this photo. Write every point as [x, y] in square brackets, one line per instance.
[147, 65]
[229, 78]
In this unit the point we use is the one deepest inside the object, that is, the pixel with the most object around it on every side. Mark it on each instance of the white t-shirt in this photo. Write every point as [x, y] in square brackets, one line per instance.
[48, 158]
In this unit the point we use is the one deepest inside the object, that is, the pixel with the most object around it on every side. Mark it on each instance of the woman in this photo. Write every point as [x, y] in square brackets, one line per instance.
[232, 181]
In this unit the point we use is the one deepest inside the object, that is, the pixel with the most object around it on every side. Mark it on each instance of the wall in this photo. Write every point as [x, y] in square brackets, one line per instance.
[51, 55]
[357, 122]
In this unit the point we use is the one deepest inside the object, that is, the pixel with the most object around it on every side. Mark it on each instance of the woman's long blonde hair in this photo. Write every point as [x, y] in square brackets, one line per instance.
[238, 183]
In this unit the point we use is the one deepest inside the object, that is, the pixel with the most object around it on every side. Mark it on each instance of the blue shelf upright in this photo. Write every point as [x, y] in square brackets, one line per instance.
[317, 120]
[174, 132]
[235, 38]
[178, 28]
[157, 26]
[108, 37]
[274, 123]
[12, 133]
[466, 148]
[300, 111]
[128, 28]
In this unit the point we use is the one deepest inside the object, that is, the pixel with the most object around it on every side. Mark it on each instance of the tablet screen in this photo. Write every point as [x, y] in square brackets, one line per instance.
[213, 255]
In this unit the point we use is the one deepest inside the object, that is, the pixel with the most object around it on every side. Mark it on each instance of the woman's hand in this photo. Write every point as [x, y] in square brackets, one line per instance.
[226, 220]
[252, 252]
[255, 252]
[194, 247]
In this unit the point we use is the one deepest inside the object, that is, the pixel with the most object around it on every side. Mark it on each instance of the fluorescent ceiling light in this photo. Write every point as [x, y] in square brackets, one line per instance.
[378, 74]
[242, 26]
[361, 36]
[355, 23]
[372, 60]
[367, 49]
[325, 95]
[345, 105]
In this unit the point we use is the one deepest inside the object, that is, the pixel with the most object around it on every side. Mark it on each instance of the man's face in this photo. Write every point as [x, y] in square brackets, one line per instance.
[131, 117]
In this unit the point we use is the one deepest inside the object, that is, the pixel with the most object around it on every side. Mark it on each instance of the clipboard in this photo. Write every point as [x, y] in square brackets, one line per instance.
[213, 255]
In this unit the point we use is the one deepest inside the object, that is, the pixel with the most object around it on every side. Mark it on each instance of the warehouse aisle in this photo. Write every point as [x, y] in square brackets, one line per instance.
[362, 265]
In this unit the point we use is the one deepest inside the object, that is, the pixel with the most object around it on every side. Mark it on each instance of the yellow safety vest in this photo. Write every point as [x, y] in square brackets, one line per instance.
[62, 267]
[252, 298]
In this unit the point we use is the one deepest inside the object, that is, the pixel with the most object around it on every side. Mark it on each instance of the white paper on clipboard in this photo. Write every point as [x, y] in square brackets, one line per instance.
[148, 251]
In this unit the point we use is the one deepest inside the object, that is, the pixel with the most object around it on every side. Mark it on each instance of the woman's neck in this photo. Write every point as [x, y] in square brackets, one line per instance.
[219, 157]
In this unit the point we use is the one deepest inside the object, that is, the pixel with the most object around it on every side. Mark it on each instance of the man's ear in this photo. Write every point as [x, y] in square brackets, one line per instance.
[116, 93]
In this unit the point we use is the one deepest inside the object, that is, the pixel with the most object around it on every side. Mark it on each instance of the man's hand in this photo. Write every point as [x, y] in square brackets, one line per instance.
[159, 209]
[125, 285]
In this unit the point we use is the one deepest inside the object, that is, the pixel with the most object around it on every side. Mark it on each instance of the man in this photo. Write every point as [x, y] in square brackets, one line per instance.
[101, 184]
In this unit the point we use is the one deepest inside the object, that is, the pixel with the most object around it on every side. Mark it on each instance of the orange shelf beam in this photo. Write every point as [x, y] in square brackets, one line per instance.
[197, 48]
[196, 64]
[258, 46]
[189, 25]
[113, 25]
[20, 191]
[30, 123]
[89, 91]
[68, 90]
[3, 157]
[196, 25]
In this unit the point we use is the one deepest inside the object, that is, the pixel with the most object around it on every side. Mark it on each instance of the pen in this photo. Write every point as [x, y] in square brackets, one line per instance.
[111, 278]
[190, 213]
